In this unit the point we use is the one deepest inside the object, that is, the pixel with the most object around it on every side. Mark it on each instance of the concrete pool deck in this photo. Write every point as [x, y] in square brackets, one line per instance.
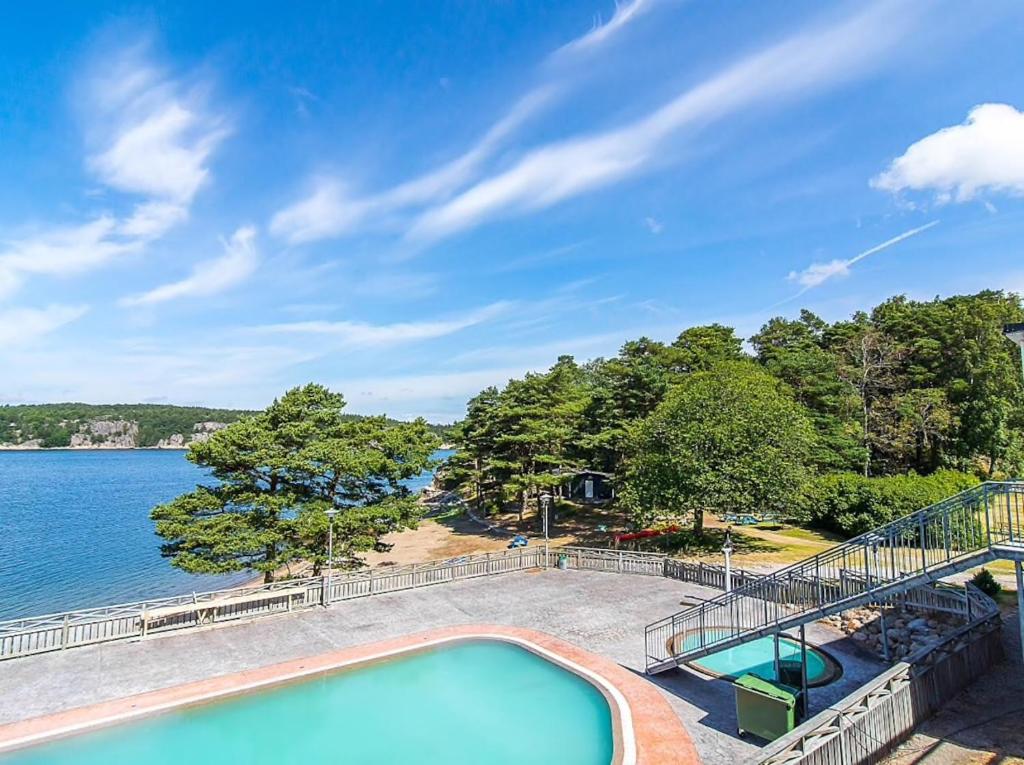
[646, 728]
[601, 613]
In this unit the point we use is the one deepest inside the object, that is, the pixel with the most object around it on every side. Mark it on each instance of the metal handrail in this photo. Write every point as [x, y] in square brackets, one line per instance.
[922, 546]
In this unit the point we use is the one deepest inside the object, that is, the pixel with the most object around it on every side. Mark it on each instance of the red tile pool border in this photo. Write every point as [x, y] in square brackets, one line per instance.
[647, 730]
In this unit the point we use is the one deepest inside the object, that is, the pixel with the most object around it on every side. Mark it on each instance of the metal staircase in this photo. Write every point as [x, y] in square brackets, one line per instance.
[970, 528]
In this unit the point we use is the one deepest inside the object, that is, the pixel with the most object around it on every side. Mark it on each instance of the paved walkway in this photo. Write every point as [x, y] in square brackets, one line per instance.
[603, 613]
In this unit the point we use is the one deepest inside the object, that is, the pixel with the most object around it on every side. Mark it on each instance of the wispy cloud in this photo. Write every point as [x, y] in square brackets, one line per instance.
[654, 225]
[61, 251]
[555, 254]
[601, 32]
[332, 209]
[151, 139]
[817, 274]
[799, 66]
[24, 326]
[209, 277]
[364, 334]
[985, 153]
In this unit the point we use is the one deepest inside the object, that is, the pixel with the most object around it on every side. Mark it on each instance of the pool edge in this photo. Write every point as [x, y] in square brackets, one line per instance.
[834, 667]
[646, 729]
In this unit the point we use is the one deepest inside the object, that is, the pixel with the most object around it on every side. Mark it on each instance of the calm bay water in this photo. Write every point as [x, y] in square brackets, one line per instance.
[75, 529]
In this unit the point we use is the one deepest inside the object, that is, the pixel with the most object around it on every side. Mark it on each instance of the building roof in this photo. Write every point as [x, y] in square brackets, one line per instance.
[1015, 332]
[582, 471]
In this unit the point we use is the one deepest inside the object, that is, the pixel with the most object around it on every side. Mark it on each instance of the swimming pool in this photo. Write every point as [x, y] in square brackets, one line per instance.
[469, 701]
[758, 658]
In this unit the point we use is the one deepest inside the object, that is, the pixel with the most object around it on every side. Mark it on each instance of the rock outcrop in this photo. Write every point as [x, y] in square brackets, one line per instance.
[203, 430]
[174, 441]
[106, 434]
[200, 432]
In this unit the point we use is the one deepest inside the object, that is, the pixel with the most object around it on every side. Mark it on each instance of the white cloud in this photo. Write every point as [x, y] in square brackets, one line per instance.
[23, 326]
[153, 136]
[151, 220]
[62, 251]
[363, 334]
[985, 153]
[818, 273]
[152, 140]
[815, 60]
[326, 212]
[210, 277]
[331, 209]
[654, 225]
[601, 33]
[378, 393]
[187, 372]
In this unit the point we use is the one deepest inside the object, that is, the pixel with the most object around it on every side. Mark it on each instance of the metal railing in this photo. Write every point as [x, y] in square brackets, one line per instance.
[876, 717]
[979, 524]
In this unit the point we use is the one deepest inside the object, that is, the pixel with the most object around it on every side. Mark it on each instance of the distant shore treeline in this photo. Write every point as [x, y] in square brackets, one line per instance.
[125, 426]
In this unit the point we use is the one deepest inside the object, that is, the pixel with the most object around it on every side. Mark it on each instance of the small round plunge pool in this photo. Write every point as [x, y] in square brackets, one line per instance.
[757, 657]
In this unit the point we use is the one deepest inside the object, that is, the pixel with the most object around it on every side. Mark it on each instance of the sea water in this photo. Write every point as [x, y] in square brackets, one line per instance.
[75, 530]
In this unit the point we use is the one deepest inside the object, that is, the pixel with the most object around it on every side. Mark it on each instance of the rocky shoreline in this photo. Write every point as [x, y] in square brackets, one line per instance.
[118, 434]
[93, 448]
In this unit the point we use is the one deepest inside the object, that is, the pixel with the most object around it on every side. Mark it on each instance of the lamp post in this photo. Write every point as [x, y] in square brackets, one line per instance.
[727, 551]
[330, 553]
[545, 504]
[1015, 332]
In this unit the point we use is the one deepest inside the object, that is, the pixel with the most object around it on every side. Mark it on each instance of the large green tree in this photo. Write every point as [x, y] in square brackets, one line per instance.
[277, 473]
[728, 439]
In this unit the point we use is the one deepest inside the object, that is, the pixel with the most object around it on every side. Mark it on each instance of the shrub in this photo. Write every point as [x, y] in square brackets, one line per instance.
[851, 504]
[987, 583]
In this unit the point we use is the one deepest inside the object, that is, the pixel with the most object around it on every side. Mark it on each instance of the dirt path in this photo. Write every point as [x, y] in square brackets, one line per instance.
[435, 540]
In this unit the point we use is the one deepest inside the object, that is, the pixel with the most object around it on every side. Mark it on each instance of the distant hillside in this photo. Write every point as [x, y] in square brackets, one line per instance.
[109, 425]
[116, 426]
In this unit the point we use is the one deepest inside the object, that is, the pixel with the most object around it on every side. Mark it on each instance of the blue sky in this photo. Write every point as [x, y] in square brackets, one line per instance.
[209, 203]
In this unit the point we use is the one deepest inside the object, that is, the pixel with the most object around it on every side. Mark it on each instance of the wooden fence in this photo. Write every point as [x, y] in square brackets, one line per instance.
[873, 720]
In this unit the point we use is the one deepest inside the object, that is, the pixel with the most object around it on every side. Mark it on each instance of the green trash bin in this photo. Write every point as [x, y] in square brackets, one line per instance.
[764, 708]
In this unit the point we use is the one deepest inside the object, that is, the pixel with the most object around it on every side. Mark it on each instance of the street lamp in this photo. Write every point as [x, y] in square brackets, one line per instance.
[330, 552]
[545, 503]
[727, 551]
[1015, 332]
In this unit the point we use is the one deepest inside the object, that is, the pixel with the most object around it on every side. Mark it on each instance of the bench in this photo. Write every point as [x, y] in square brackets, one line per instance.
[207, 610]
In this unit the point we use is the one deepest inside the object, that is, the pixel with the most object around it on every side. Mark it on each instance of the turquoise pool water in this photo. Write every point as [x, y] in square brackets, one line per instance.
[469, 702]
[758, 658]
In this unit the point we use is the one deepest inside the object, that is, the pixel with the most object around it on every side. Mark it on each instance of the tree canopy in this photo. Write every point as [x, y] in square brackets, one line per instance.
[910, 386]
[278, 472]
[729, 439]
